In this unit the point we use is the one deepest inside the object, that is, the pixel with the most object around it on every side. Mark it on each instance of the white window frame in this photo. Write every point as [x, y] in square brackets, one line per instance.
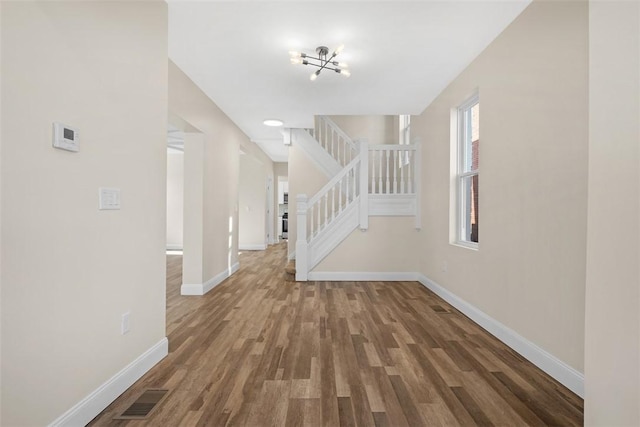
[404, 136]
[463, 136]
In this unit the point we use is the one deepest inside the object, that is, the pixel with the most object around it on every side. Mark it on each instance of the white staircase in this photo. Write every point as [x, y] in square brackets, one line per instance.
[380, 180]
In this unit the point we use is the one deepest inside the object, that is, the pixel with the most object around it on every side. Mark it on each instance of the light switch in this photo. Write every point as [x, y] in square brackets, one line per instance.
[109, 198]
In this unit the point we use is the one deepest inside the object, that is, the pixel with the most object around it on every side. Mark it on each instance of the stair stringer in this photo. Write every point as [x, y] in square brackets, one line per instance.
[333, 234]
[314, 151]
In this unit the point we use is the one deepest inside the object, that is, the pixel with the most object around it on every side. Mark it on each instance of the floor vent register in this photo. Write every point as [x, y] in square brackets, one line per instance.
[144, 405]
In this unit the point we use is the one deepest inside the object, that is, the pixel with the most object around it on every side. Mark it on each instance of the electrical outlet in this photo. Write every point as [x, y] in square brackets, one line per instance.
[125, 322]
[444, 267]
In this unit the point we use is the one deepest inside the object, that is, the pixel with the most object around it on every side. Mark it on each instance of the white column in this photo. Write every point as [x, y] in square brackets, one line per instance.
[301, 242]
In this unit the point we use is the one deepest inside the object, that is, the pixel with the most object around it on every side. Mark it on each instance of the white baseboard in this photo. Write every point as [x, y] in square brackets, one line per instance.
[291, 256]
[89, 407]
[203, 288]
[257, 247]
[355, 276]
[563, 373]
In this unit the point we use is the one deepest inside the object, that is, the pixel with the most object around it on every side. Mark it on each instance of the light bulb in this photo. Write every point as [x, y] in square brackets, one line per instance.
[343, 65]
[296, 60]
[314, 76]
[295, 54]
[339, 49]
[345, 73]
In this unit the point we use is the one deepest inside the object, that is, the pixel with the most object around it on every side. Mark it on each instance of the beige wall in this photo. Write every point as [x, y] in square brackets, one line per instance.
[267, 173]
[612, 348]
[529, 271]
[376, 129]
[69, 271]
[253, 200]
[222, 140]
[1, 346]
[193, 209]
[281, 169]
[175, 199]
[389, 245]
[304, 178]
[280, 173]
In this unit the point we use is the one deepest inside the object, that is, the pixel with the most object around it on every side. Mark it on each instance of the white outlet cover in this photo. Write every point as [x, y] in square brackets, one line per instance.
[125, 326]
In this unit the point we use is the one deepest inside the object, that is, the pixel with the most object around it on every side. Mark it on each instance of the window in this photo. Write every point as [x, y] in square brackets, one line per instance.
[467, 183]
[404, 128]
[404, 136]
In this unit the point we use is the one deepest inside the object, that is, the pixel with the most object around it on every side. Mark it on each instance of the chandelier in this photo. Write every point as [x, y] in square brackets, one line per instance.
[323, 61]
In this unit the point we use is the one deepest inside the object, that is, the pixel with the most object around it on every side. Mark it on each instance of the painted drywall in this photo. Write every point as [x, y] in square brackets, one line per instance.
[612, 347]
[1, 250]
[193, 210]
[281, 169]
[304, 178]
[376, 129]
[389, 245]
[221, 151]
[175, 199]
[253, 201]
[280, 173]
[69, 270]
[529, 271]
[263, 207]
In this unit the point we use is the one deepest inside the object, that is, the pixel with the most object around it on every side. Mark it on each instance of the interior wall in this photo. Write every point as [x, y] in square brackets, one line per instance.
[529, 270]
[390, 244]
[221, 168]
[612, 346]
[253, 200]
[267, 172]
[376, 129]
[175, 200]
[193, 210]
[304, 178]
[1, 250]
[69, 270]
[280, 169]
[280, 173]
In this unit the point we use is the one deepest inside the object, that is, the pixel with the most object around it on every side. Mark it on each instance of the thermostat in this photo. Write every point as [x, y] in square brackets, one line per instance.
[65, 137]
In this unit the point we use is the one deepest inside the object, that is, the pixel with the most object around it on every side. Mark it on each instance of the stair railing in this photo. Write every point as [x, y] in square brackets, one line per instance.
[317, 213]
[335, 141]
[394, 169]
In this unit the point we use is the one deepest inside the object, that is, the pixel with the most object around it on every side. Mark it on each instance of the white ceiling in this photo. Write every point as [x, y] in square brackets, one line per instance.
[401, 55]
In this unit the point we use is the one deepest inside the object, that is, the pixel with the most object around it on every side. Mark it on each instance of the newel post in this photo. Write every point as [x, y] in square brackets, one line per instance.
[301, 239]
[364, 183]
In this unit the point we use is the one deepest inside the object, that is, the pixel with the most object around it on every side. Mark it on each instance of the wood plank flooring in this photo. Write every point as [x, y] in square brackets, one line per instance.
[260, 351]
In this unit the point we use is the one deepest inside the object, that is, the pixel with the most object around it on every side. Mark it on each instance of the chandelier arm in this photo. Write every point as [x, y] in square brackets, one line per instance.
[324, 67]
[313, 57]
[326, 62]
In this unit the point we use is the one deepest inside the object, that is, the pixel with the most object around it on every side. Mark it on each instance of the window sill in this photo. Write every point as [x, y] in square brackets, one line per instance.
[467, 245]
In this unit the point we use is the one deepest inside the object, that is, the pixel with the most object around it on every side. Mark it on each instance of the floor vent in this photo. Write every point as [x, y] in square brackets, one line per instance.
[144, 405]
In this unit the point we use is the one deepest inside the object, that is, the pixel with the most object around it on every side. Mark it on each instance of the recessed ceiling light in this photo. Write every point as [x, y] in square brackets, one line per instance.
[273, 122]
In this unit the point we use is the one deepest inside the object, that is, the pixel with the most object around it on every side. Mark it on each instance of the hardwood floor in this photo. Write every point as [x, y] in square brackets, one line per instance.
[260, 351]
